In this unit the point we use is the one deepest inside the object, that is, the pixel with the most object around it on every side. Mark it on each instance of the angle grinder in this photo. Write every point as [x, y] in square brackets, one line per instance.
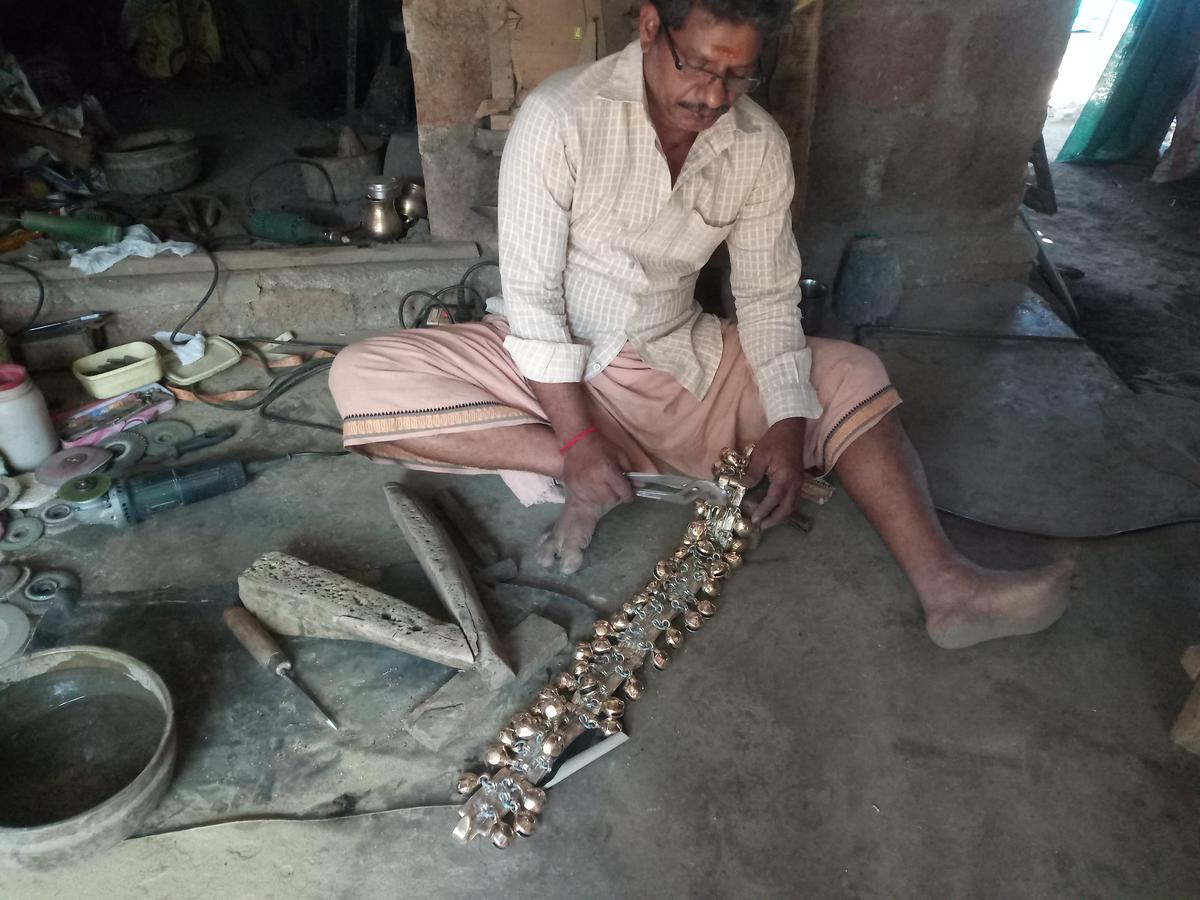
[97, 500]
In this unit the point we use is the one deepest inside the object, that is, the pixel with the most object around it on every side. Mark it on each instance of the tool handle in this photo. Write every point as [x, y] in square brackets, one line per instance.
[205, 439]
[256, 639]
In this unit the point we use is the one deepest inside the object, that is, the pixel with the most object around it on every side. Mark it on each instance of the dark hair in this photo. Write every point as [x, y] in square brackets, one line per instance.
[767, 15]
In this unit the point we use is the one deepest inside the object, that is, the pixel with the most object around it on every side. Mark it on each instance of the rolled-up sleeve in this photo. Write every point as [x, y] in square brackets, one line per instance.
[765, 278]
[536, 188]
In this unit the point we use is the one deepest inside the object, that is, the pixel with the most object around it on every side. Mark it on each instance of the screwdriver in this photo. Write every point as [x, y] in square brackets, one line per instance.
[259, 644]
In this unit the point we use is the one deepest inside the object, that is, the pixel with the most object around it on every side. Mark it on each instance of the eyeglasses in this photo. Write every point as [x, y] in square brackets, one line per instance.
[734, 84]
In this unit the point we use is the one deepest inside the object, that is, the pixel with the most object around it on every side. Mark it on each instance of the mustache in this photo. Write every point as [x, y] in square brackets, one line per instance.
[704, 108]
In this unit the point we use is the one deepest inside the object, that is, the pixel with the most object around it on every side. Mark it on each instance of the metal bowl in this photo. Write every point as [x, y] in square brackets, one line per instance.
[87, 744]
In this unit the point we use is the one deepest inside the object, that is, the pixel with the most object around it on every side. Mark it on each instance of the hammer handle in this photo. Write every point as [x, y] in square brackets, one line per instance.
[256, 639]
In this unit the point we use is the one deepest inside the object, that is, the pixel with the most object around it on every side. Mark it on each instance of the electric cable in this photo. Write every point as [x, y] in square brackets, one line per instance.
[212, 286]
[279, 163]
[41, 300]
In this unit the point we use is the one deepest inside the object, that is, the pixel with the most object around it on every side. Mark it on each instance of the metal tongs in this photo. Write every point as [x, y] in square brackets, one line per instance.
[681, 489]
[675, 488]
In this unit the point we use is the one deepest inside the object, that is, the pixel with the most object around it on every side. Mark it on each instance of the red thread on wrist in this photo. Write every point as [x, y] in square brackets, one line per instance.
[575, 440]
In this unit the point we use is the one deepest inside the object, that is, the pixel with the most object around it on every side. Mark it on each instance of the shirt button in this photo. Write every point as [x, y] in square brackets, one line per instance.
[595, 367]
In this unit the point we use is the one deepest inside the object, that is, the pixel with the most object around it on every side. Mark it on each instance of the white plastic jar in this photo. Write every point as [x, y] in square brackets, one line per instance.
[27, 435]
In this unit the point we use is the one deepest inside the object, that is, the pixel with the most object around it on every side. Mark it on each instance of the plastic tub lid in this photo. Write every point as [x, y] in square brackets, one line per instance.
[12, 376]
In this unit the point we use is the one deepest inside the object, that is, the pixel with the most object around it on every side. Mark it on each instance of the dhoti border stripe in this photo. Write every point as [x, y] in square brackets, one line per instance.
[855, 422]
[397, 424]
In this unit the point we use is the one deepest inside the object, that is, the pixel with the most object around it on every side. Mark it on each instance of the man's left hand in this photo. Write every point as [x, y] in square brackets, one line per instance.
[779, 457]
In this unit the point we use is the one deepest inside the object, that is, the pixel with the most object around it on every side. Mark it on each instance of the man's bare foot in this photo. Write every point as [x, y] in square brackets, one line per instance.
[974, 604]
[565, 542]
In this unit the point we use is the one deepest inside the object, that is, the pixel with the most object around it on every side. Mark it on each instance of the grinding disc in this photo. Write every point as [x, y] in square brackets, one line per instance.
[45, 589]
[33, 492]
[59, 516]
[12, 580]
[71, 463]
[22, 532]
[127, 449]
[85, 488]
[163, 434]
[14, 631]
[10, 491]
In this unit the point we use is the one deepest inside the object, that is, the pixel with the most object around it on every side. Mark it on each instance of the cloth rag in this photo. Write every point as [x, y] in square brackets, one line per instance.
[138, 241]
[188, 351]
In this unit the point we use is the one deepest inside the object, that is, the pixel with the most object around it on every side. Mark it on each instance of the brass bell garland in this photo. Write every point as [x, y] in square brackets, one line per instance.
[506, 801]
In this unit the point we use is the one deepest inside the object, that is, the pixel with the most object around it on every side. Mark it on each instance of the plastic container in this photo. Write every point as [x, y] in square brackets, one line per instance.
[27, 435]
[219, 354]
[104, 384]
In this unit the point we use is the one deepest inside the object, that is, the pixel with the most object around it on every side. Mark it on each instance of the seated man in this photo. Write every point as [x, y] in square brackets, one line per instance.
[618, 181]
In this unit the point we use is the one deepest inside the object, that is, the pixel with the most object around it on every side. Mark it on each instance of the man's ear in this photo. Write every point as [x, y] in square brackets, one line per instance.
[648, 26]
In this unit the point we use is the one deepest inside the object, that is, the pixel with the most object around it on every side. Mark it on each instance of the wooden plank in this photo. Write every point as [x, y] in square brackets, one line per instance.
[500, 28]
[19, 133]
[293, 597]
[255, 260]
[435, 551]
[792, 90]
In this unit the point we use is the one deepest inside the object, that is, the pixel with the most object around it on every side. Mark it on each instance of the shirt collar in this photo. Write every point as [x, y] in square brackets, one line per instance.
[627, 84]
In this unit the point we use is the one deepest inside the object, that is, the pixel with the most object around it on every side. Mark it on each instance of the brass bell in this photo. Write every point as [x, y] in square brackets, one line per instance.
[696, 530]
[673, 637]
[552, 707]
[711, 588]
[634, 687]
[524, 823]
[590, 682]
[629, 608]
[706, 608]
[641, 598]
[502, 835]
[611, 727]
[507, 737]
[692, 620]
[613, 707]
[659, 658]
[619, 621]
[701, 507]
[566, 682]
[533, 799]
[681, 554]
[602, 628]
[653, 587]
[467, 782]
[731, 458]
[495, 755]
[718, 568]
[602, 645]
[706, 548]
[554, 744]
[737, 545]
[734, 558]
[664, 568]
[580, 666]
[525, 725]
[583, 651]
[741, 526]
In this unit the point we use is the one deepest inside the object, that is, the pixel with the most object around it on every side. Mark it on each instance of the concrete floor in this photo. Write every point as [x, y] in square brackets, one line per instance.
[810, 742]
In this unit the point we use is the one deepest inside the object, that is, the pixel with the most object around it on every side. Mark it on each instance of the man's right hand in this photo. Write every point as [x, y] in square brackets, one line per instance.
[594, 471]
